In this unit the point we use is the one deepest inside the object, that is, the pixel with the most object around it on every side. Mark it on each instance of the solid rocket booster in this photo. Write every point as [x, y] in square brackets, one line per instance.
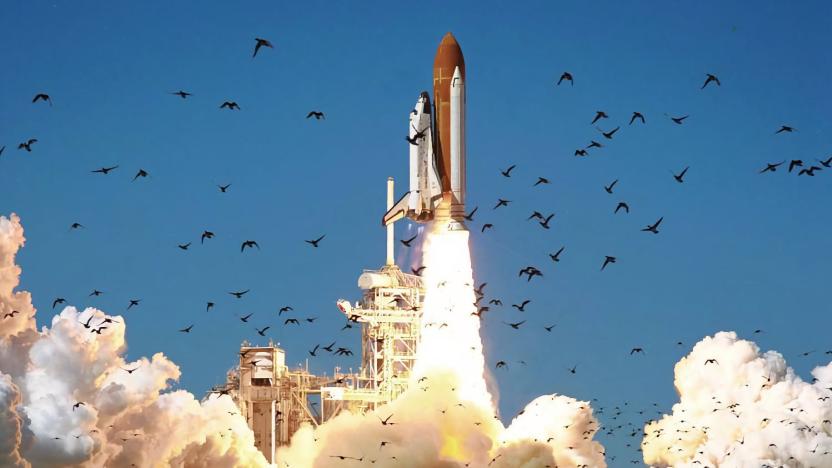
[437, 144]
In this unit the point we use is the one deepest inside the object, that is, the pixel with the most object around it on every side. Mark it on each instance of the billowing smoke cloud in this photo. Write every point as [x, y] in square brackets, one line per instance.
[447, 418]
[738, 407]
[126, 419]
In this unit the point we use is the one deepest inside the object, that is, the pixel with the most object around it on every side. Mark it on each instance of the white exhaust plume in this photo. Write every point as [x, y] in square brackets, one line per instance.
[447, 418]
[740, 408]
[126, 419]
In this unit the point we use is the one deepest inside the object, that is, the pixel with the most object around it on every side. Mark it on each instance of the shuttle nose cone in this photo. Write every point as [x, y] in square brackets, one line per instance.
[449, 56]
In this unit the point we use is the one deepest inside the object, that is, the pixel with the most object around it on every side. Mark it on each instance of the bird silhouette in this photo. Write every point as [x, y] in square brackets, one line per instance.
[105, 170]
[637, 116]
[42, 97]
[27, 145]
[607, 260]
[223, 188]
[608, 135]
[262, 332]
[654, 228]
[57, 301]
[133, 303]
[291, 320]
[785, 128]
[568, 77]
[184, 246]
[581, 152]
[522, 306]
[205, 235]
[239, 294]
[317, 114]
[507, 172]
[486, 226]
[501, 202]
[245, 318]
[556, 256]
[680, 177]
[470, 216]
[249, 244]
[810, 171]
[710, 79]
[407, 242]
[230, 105]
[314, 243]
[142, 173]
[187, 329]
[540, 180]
[622, 206]
[771, 167]
[795, 163]
[608, 188]
[679, 120]
[181, 94]
[598, 116]
[261, 43]
[515, 325]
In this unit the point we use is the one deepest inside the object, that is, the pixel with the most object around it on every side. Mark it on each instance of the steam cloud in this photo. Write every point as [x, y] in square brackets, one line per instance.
[127, 419]
[447, 417]
[743, 409]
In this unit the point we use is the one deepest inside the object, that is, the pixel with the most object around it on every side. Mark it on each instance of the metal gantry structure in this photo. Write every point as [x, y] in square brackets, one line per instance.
[277, 400]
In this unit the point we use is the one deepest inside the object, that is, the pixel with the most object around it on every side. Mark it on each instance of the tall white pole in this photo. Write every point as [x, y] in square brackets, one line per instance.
[390, 241]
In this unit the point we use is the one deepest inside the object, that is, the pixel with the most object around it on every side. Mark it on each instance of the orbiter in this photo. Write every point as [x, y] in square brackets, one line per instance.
[437, 145]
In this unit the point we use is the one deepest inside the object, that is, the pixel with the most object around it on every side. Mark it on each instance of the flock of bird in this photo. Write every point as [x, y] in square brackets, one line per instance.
[98, 323]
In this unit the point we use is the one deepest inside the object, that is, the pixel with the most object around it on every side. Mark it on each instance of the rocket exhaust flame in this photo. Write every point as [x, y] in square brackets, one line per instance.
[447, 417]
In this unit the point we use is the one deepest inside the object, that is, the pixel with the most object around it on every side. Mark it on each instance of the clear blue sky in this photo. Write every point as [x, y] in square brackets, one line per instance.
[738, 250]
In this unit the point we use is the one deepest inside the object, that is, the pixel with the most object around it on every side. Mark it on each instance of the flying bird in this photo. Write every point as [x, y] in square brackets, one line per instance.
[637, 116]
[262, 332]
[772, 167]
[230, 105]
[501, 202]
[317, 114]
[105, 170]
[205, 235]
[75, 226]
[795, 163]
[96, 293]
[291, 320]
[57, 301]
[540, 180]
[181, 94]
[581, 152]
[507, 172]
[608, 188]
[284, 309]
[250, 244]
[141, 173]
[556, 256]
[785, 128]
[545, 222]
[27, 145]
[568, 77]
[594, 144]
[636, 350]
[810, 171]
[187, 329]
[678, 120]
[515, 325]
[78, 405]
[679, 177]
[184, 246]
[486, 226]
[223, 188]
[608, 135]
[407, 242]
[470, 216]
[522, 306]
[622, 206]
[245, 318]
[607, 260]
[42, 97]
[133, 303]
[239, 294]
[711, 78]
[654, 228]
[314, 243]
[599, 115]
[261, 43]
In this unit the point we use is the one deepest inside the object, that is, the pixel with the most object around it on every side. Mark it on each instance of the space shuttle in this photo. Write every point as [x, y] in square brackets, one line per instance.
[436, 138]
